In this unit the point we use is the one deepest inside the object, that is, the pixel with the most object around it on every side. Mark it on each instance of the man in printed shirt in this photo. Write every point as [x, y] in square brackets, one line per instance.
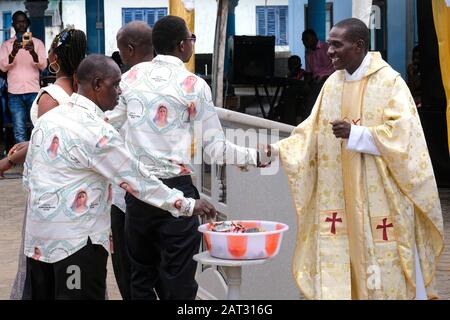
[134, 41]
[67, 235]
[22, 62]
[161, 248]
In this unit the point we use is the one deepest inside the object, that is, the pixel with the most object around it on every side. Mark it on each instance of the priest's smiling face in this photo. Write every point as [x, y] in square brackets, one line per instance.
[343, 52]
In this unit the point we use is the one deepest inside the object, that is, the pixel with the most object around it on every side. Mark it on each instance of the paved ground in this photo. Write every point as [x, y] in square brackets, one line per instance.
[11, 217]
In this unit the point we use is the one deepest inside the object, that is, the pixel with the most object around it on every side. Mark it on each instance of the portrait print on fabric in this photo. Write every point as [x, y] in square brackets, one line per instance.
[102, 142]
[79, 204]
[160, 118]
[188, 84]
[52, 150]
[37, 253]
[192, 110]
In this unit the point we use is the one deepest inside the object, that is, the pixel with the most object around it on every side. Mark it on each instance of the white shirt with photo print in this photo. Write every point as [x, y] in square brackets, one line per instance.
[167, 116]
[73, 157]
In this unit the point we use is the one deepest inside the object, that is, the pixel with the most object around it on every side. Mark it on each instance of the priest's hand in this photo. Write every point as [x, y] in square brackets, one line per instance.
[341, 129]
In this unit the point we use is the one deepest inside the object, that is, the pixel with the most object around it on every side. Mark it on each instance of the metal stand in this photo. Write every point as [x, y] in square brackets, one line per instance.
[233, 271]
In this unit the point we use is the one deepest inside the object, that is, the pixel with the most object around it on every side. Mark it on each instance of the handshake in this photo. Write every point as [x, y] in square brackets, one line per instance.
[265, 155]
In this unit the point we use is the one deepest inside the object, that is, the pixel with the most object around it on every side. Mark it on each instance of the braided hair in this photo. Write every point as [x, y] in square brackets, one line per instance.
[70, 47]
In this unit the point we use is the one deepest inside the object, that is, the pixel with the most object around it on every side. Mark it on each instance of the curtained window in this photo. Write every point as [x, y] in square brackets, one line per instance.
[273, 21]
[149, 15]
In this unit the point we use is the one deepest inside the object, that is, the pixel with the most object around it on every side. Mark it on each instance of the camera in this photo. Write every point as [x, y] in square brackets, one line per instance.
[26, 38]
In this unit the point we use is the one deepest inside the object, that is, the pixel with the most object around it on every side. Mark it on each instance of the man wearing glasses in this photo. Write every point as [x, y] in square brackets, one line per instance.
[161, 248]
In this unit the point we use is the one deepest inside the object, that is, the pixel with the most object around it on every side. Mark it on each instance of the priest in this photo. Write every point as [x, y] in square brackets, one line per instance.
[369, 221]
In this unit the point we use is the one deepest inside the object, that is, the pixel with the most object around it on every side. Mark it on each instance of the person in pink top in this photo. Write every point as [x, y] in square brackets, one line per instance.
[22, 60]
[317, 60]
[318, 65]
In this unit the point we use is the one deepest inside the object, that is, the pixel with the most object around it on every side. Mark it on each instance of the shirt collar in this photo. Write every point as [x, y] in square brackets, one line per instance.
[85, 103]
[169, 59]
[361, 71]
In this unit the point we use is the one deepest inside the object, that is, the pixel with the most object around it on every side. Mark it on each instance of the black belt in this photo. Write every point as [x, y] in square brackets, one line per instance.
[177, 181]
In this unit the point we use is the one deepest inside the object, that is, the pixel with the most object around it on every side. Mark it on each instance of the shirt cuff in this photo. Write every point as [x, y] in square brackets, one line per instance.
[188, 208]
[361, 140]
[252, 154]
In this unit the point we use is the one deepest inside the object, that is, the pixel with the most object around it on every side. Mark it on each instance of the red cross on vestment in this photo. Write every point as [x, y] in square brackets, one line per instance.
[384, 226]
[355, 122]
[333, 222]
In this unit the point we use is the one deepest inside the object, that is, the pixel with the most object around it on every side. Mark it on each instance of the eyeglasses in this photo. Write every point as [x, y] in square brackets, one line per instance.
[193, 38]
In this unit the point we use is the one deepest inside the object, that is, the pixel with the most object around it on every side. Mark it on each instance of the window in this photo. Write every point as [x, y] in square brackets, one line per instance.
[149, 15]
[273, 21]
[7, 22]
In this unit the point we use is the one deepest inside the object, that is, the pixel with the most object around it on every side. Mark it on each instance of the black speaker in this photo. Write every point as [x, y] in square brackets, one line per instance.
[251, 58]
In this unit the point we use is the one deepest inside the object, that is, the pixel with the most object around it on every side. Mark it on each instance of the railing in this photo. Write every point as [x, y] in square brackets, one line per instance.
[255, 194]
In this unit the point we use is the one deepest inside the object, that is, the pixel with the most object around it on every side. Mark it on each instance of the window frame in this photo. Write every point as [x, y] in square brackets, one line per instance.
[6, 30]
[145, 11]
[280, 40]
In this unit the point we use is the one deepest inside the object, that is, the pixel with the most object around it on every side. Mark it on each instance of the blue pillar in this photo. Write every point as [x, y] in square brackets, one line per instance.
[95, 25]
[231, 30]
[317, 17]
[396, 42]
[36, 13]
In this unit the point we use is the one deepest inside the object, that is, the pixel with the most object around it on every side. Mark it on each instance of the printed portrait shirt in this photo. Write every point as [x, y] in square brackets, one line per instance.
[73, 157]
[166, 115]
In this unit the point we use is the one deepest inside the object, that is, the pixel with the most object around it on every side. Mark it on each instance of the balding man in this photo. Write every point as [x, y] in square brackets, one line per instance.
[72, 158]
[134, 41]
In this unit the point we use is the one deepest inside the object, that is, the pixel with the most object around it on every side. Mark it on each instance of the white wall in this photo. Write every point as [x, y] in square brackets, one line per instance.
[74, 13]
[205, 25]
[205, 19]
[113, 17]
